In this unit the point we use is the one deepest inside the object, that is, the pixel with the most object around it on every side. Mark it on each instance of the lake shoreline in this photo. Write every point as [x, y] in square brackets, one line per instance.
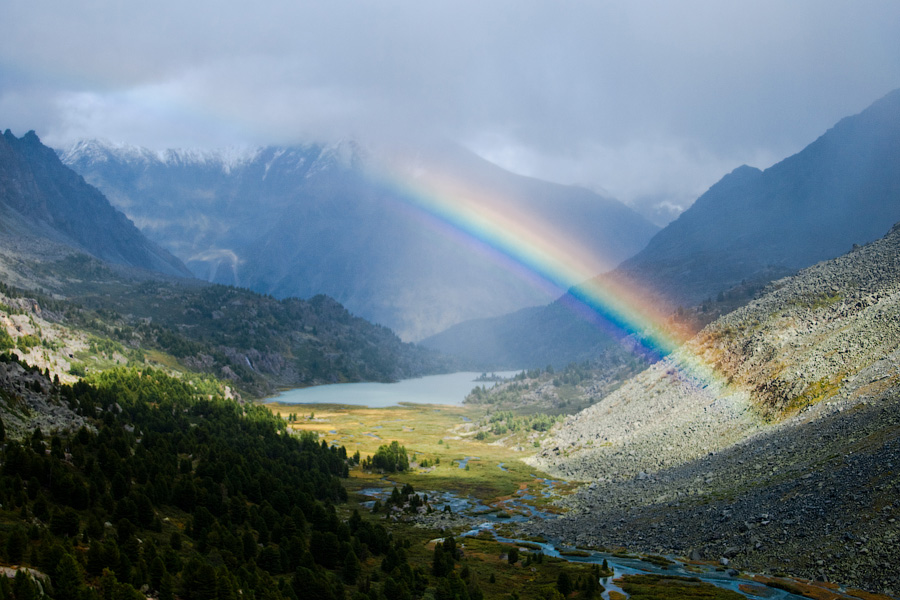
[449, 389]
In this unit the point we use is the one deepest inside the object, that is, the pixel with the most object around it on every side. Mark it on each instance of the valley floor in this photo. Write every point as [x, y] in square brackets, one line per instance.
[441, 442]
[817, 501]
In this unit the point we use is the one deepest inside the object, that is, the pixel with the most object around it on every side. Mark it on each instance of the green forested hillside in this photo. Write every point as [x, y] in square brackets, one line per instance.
[256, 343]
[171, 491]
[178, 492]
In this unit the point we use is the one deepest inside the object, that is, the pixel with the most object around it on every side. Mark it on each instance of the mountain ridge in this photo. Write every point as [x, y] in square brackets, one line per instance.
[340, 219]
[76, 276]
[840, 190]
[750, 227]
[46, 198]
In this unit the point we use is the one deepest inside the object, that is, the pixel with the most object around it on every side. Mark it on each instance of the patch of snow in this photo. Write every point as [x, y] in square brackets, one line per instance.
[227, 158]
[102, 150]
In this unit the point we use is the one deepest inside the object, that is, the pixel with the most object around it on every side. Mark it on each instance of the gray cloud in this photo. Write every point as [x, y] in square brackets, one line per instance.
[651, 100]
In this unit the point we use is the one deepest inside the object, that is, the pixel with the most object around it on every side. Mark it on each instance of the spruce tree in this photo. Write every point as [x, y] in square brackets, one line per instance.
[69, 579]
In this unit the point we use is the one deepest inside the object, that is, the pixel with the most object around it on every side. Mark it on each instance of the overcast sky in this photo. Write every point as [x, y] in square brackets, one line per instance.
[651, 101]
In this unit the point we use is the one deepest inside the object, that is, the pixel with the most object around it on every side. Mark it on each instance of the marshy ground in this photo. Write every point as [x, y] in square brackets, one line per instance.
[448, 460]
[441, 441]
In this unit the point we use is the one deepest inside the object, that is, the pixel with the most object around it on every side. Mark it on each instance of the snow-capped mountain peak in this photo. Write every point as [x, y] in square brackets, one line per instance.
[100, 150]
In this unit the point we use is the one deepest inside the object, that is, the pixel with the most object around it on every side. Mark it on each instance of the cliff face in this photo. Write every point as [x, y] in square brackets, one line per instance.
[41, 197]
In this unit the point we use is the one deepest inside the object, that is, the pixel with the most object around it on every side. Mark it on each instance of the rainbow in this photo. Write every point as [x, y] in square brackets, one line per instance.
[553, 258]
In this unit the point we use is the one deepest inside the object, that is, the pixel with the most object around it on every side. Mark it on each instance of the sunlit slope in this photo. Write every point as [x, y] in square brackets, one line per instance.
[826, 338]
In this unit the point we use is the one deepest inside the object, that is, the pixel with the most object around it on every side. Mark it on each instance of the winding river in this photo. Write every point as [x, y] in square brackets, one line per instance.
[484, 518]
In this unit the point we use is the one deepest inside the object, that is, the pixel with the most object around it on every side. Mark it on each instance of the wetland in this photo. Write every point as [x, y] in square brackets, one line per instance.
[479, 489]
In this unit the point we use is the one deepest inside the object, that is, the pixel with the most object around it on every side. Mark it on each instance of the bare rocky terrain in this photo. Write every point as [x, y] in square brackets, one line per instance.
[786, 461]
[28, 401]
[818, 500]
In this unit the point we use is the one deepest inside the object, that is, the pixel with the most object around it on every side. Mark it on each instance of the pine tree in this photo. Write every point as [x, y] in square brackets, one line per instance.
[16, 545]
[564, 584]
[69, 579]
[351, 569]
[157, 572]
[167, 588]
[24, 587]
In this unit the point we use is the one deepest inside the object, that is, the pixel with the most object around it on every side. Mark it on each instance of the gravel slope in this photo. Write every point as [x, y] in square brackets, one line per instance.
[789, 467]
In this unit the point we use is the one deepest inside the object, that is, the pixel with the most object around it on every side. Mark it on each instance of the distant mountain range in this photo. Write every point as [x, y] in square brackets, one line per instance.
[41, 197]
[555, 334]
[312, 219]
[750, 227]
[81, 288]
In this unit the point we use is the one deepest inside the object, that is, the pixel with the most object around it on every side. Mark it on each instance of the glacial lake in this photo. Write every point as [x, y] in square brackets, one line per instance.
[435, 389]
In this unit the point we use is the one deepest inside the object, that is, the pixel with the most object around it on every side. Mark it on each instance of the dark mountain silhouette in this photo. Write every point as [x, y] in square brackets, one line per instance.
[556, 334]
[841, 190]
[41, 197]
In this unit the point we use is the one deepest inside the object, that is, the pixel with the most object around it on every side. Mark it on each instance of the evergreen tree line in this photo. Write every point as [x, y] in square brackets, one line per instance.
[177, 494]
[504, 421]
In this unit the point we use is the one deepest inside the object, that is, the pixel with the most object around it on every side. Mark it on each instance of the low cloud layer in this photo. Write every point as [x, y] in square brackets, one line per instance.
[651, 101]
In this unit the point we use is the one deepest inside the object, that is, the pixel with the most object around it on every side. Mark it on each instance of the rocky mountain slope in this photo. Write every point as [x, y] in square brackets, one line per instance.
[841, 190]
[823, 336]
[27, 402]
[785, 461]
[42, 198]
[304, 220]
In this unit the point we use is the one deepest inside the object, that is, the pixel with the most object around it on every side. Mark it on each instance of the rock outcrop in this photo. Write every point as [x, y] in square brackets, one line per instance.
[29, 400]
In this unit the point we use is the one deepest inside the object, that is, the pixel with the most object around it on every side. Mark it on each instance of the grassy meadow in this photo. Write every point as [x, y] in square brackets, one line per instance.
[437, 438]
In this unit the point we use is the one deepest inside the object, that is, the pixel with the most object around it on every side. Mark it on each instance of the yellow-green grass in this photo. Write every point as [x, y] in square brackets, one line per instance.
[436, 434]
[533, 581]
[483, 556]
[161, 358]
[665, 587]
[816, 590]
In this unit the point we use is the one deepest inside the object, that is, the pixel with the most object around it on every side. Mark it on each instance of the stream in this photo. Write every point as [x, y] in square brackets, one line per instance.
[520, 508]
[517, 510]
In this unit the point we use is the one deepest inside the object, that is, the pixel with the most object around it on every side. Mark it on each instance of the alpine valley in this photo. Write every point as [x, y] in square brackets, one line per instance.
[150, 302]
